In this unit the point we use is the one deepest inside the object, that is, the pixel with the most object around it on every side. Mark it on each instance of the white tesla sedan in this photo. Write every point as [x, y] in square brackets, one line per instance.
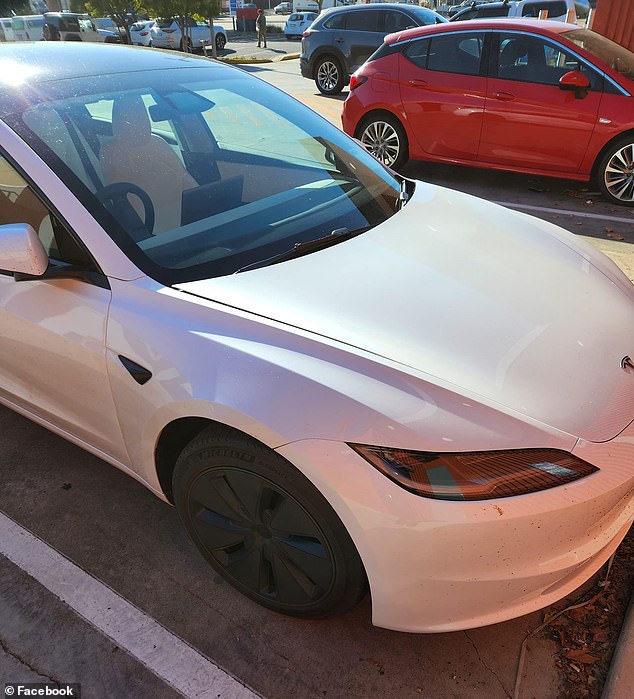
[341, 378]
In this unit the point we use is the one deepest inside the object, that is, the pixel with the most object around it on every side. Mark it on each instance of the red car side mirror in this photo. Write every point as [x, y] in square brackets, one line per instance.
[577, 81]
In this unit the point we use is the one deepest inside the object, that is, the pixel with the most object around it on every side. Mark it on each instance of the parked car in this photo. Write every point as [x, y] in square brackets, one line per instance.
[342, 38]
[141, 32]
[298, 23]
[307, 6]
[166, 34]
[553, 99]
[109, 25]
[6, 29]
[464, 4]
[450, 417]
[73, 26]
[27, 27]
[558, 10]
[284, 8]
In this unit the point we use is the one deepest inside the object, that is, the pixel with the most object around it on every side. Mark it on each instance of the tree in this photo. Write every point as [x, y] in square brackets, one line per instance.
[8, 8]
[182, 10]
[122, 12]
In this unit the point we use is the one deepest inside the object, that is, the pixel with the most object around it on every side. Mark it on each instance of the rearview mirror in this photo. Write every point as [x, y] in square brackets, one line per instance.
[21, 250]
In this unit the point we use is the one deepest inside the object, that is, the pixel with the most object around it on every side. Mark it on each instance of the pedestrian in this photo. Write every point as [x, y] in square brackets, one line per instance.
[260, 23]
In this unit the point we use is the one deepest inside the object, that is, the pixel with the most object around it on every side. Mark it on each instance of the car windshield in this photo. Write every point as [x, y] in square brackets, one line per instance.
[607, 51]
[203, 171]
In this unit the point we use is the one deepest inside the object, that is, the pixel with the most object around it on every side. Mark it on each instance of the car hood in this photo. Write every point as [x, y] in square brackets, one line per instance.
[505, 307]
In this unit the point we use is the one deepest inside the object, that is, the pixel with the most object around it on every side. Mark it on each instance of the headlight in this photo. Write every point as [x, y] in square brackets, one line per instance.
[476, 475]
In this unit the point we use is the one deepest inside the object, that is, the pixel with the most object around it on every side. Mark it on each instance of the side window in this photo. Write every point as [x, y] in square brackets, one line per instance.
[397, 22]
[554, 9]
[456, 53]
[529, 59]
[336, 22]
[484, 12]
[417, 52]
[363, 21]
[19, 204]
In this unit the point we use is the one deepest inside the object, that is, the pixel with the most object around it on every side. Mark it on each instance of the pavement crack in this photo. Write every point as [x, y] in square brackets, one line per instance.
[489, 669]
[5, 648]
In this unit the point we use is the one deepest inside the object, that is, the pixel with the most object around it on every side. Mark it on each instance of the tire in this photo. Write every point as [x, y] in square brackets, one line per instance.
[384, 137]
[186, 45]
[265, 528]
[221, 42]
[329, 76]
[288, 37]
[616, 172]
[50, 33]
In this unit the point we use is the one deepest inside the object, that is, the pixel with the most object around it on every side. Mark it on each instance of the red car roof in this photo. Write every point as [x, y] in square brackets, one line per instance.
[537, 26]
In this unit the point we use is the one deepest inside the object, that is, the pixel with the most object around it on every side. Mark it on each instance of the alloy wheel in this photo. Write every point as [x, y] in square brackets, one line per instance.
[328, 77]
[619, 174]
[381, 139]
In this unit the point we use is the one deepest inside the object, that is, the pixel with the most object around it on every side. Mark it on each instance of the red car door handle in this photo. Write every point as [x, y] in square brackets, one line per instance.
[417, 83]
[504, 96]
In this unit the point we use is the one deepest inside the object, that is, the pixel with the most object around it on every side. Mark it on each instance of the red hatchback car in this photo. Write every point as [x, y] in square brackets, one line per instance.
[529, 96]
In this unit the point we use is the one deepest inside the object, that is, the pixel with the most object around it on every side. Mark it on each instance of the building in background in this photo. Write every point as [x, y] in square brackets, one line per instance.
[615, 19]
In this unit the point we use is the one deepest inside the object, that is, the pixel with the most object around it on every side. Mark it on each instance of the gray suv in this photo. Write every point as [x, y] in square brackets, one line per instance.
[342, 38]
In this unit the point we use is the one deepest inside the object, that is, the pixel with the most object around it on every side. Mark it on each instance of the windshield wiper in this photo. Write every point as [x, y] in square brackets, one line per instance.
[303, 248]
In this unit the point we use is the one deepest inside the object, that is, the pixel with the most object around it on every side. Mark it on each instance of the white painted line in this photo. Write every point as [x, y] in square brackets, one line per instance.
[566, 212]
[167, 656]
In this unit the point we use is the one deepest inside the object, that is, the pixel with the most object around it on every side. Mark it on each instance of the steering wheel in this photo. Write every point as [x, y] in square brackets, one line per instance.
[115, 198]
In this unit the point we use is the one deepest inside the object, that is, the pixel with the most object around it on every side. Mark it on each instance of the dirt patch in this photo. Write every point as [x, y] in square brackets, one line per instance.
[587, 636]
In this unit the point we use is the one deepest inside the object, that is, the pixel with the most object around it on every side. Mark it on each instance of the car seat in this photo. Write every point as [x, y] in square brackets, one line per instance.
[138, 156]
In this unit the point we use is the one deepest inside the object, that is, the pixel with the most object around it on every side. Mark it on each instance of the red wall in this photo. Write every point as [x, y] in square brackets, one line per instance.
[615, 19]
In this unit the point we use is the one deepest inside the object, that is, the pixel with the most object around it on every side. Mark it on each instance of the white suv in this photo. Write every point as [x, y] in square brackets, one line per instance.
[167, 34]
[560, 10]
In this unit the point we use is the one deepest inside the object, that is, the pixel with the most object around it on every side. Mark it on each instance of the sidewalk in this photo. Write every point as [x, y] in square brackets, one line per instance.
[242, 48]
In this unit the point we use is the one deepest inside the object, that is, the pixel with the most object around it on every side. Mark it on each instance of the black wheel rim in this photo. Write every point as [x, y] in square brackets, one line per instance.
[261, 537]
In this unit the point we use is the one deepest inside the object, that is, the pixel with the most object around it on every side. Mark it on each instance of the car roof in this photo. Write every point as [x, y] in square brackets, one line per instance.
[375, 6]
[43, 61]
[538, 26]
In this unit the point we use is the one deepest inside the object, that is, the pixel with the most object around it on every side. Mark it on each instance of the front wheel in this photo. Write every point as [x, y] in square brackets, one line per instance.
[616, 172]
[265, 528]
[329, 76]
[384, 137]
[50, 33]
[220, 42]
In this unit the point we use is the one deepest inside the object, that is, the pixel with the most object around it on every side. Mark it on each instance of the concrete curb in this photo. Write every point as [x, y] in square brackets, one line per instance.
[251, 60]
[620, 680]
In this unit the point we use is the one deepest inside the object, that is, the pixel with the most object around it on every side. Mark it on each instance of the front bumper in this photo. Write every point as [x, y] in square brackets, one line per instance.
[438, 566]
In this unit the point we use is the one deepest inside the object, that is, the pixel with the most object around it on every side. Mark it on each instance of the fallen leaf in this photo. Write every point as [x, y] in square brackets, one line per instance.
[581, 656]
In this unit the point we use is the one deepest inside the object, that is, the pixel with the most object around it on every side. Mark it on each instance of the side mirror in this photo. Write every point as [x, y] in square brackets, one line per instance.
[576, 81]
[21, 250]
